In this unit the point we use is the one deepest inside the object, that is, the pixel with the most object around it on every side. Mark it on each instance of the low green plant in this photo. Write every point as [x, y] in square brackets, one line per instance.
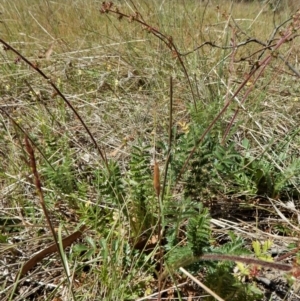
[224, 168]
[261, 248]
[218, 275]
[131, 192]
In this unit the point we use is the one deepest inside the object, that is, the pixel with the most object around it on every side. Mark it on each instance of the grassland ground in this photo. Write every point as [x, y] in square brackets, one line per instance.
[148, 78]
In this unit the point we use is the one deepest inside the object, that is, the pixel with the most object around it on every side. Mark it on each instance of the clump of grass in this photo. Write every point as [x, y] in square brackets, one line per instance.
[222, 132]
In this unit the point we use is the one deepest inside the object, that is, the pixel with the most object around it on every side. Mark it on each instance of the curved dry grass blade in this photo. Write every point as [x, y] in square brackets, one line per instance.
[67, 241]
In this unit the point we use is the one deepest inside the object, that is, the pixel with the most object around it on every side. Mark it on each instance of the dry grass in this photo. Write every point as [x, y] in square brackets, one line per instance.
[116, 75]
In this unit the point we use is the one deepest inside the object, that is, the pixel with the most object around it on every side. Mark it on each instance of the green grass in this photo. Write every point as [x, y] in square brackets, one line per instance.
[116, 75]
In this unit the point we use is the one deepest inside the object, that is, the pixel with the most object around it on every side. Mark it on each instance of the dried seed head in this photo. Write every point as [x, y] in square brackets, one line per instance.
[156, 179]
[106, 6]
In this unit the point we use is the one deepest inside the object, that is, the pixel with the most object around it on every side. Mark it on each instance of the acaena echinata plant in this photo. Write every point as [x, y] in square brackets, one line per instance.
[256, 73]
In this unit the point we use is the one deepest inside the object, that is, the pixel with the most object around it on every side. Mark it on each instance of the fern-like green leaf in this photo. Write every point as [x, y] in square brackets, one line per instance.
[198, 232]
[110, 184]
[234, 247]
